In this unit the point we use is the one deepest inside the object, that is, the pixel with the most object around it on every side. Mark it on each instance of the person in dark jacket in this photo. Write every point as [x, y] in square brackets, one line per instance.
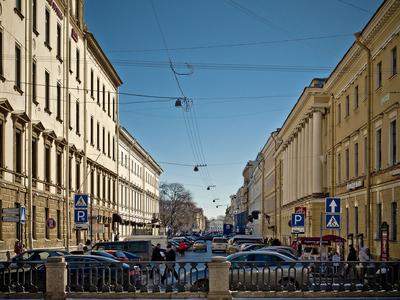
[170, 256]
[351, 259]
[156, 255]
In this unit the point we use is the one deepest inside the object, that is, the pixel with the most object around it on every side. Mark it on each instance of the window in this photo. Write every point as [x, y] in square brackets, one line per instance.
[379, 75]
[18, 152]
[104, 186]
[1, 54]
[109, 190]
[104, 140]
[98, 185]
[91, 83]
[77, 65]
[69, 56]
[34, 158]
[59, 104]
[91, 131]
[34, 100]
[113, 109]
[339, 113]
[34, 16]
[70, 172]
[347, 158]
[58, 224]
[108, 104]
[393, 143]
[113, 149]
[18, 5]
[347, 221]
[59, 41]
[104, 98]
[378, 154]
[113, 193]
[17, 67]
[108, 145]
[34, 236]
[356, 160]
[378, 220]
[77, 175]
[59, 170]
[365, 155]
[356, 97]
[47, 29]
[339, 168]
[122, 158]
[393, 221]
[98, 136]
[356, 220]
[98, 91]
[77, 118]
[366, 87]
[47, 91]
[347, 105]
[92, 182]
[77, 16]
[46, 217]
[47, 165]
[69, 112]
[393, 54]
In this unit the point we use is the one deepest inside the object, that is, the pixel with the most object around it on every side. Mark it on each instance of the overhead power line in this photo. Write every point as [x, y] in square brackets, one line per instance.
[355, 6]
[232, 45]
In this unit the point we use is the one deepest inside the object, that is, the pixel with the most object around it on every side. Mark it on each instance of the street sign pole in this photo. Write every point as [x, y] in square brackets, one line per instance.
[320, 236]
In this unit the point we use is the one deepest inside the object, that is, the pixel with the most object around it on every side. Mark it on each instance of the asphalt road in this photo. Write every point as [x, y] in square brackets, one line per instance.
[191, 256]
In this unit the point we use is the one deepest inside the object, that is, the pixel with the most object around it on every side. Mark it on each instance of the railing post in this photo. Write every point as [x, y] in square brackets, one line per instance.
[56, 278]
[218, 270]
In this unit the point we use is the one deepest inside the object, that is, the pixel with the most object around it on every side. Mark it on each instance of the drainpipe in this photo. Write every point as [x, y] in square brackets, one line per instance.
[333, 131]
[66, 128]
[369, 134]
[29, 99]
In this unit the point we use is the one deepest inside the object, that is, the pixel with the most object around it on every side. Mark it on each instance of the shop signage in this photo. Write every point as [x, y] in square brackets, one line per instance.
[54, 6]
[355, 185]
[74, 35]
[384, 241]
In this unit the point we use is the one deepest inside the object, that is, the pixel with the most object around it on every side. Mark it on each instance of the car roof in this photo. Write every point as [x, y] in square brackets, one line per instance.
[99, 258]
[263, 252]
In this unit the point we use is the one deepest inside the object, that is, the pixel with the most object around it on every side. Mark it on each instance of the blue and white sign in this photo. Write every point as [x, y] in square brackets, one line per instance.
[81, 216]
[332, 205]
[81, 201]
[22, 215]
[297, 220]
[332, 221]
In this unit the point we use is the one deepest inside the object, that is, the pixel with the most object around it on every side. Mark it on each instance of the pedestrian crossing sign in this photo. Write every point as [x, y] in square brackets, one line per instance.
[332, 221]
[81, 201]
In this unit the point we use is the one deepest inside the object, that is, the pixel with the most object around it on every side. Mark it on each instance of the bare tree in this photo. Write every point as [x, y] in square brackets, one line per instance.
[176, 207]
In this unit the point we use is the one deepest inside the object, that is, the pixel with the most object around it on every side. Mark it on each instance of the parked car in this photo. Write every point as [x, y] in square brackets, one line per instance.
[219, 244]
[235, 242]
[200, 245]
[37, 255]
[251, 247]
[143, 249]
[286, 250]
[285, 269]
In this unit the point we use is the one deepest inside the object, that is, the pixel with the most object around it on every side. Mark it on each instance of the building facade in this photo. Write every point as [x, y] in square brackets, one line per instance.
[58, 125]
[341, 140]
[139, 188]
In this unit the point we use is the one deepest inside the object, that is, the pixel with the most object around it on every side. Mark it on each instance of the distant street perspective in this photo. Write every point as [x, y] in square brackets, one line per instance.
[214, 149]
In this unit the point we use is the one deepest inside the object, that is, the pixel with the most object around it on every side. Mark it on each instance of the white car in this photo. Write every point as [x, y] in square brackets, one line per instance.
[219, 244]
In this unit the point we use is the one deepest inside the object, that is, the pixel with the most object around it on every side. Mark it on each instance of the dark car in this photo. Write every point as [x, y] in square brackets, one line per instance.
[141, 248]
[38, 255]
[252, 247]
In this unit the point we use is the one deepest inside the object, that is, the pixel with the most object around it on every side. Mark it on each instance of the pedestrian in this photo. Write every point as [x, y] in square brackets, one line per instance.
[170, 256]
[156, 257]
[116, 238]
[351, 259]
[18, 247]
[336, 262]
[80, 247]
[8, 255]
[182, 248]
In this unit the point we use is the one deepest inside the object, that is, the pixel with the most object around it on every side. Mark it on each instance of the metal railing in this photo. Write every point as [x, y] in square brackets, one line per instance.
[22, 277]
[141, 277]
[314, 276]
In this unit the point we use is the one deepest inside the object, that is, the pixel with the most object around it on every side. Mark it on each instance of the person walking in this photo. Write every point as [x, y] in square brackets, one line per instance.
[156, 257]
[170, 256]
[351, 259]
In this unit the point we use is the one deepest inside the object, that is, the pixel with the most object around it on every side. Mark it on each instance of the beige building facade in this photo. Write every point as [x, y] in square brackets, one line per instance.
[58, 125]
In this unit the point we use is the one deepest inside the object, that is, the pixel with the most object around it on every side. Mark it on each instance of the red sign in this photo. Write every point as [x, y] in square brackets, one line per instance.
[58, 11]
[51, 223]
[74, 35]
[300, 210]
[384, 246]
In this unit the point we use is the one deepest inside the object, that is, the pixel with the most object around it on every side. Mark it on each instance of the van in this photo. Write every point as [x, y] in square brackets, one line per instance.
[142, 248]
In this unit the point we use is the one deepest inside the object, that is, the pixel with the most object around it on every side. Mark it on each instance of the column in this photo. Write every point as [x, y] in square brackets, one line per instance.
[290, 160]
[310, 156]
[317, 152]
[300, 160]
[306, 154]
[295, 159]
[285, 175]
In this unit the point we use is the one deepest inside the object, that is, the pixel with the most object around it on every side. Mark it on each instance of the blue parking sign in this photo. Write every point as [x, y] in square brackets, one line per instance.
[297, 220]
[81, 216]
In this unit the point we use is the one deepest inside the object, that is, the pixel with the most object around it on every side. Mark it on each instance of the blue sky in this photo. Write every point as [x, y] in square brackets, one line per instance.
[228, 124]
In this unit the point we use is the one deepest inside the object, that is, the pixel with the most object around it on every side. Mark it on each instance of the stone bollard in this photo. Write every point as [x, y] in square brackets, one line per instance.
[56, 278]
[218, 270]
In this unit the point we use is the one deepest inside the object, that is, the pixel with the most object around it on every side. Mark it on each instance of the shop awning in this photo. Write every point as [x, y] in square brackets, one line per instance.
[116, 218]
[326, 240]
